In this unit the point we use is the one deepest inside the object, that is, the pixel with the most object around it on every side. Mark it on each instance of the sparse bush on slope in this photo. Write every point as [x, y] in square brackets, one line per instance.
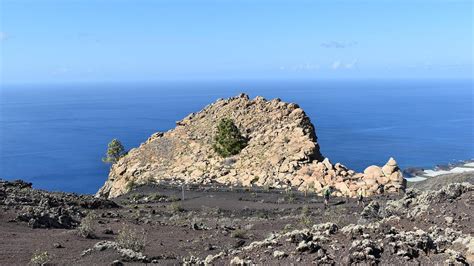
[133, 239]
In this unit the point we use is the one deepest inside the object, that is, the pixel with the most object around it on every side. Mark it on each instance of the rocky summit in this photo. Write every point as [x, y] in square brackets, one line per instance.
[282, 151]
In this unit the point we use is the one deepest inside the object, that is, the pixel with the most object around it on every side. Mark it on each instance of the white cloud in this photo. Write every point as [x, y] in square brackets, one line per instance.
[3, 36]
[301, 67]
[61, 71]
[336, 65]
[336, 44]
[351, 65]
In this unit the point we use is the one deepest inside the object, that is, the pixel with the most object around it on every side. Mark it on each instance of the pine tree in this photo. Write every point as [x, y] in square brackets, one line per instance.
[228, 140]
[115, 151]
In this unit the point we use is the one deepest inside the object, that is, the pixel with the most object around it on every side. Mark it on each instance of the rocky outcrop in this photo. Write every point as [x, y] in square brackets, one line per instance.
[282, 151]
[125, 253]
[42, 209]
[383, 237]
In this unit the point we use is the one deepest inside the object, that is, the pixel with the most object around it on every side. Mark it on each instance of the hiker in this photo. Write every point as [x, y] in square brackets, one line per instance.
[326, 193]
[360, 196]
[288, 187]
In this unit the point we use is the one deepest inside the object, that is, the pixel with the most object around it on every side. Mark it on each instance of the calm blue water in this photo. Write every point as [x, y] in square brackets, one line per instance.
[55, 136]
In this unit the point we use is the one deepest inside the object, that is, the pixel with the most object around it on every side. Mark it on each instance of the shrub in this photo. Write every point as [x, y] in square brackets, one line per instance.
[156, 197]
[238, 233]
[86, 228]
[287, 227]
[135, 197]
[40, 258]
[130, 185]
[305, 210]
[290, 197]
[228, 140]
[175, 207]
[130, 238]
[115, 151]
[174, 198]
[266, 187]
[306, 220]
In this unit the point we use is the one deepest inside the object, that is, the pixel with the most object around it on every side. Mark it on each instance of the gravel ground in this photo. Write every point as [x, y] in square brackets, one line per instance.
[222, 226]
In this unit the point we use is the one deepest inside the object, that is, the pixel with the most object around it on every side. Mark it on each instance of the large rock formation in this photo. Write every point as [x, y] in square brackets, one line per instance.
[282, 150]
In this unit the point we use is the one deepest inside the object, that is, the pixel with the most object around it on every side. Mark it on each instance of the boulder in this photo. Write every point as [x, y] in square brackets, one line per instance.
[383, 180]
[373, 172]
[390, 167]
[327, 164]
[342, 187]
[396, 177]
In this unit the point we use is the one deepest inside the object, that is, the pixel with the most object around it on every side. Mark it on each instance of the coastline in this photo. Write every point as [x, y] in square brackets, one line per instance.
[415, 174]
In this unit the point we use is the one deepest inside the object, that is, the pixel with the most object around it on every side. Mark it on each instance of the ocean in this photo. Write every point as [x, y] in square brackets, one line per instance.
[55, 135]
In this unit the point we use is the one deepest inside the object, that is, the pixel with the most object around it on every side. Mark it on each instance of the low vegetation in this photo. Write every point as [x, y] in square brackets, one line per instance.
[175, 207]
[130, 238]
[238, 233]
[306, 220]
[86, 228]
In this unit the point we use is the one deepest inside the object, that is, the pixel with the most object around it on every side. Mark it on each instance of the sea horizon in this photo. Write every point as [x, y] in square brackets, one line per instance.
[55, 135]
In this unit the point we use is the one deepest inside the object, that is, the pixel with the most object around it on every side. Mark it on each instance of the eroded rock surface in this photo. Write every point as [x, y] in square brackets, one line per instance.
[282, 151]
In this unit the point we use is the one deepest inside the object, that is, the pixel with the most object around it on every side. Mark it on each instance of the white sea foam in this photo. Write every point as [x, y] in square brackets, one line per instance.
[416, 179]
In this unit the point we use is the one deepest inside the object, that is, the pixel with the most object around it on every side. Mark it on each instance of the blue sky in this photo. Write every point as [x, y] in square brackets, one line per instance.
[144, 40]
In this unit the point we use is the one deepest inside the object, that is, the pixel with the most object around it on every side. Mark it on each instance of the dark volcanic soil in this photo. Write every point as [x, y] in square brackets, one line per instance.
[224, 226]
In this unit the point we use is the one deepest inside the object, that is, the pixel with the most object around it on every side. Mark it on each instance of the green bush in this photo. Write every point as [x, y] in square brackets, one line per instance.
[86, 228]
[115, 151]
[228, 140]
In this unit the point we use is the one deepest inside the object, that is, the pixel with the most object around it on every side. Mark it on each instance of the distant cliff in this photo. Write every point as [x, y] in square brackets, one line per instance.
[282, 150]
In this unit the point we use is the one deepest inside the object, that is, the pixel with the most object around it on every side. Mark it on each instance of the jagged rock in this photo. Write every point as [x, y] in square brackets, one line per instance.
[211, 258]
[282, 150]
[271, 240]
[239, 261]
[192, 261]
[309, 246]
[126, 254]
[42, 209]
[279, 254]
[116, 263]
[198, 226]
[449, 219]
[414, 203]
[364, 251]
[371, 211]
[409, 244]
[327, 228]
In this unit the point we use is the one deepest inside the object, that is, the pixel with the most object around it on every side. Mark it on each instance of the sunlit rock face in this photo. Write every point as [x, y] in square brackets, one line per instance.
[282, 151]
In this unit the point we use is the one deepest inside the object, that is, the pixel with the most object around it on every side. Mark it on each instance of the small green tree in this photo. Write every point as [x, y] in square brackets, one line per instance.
[115, 151]
[228, 140]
